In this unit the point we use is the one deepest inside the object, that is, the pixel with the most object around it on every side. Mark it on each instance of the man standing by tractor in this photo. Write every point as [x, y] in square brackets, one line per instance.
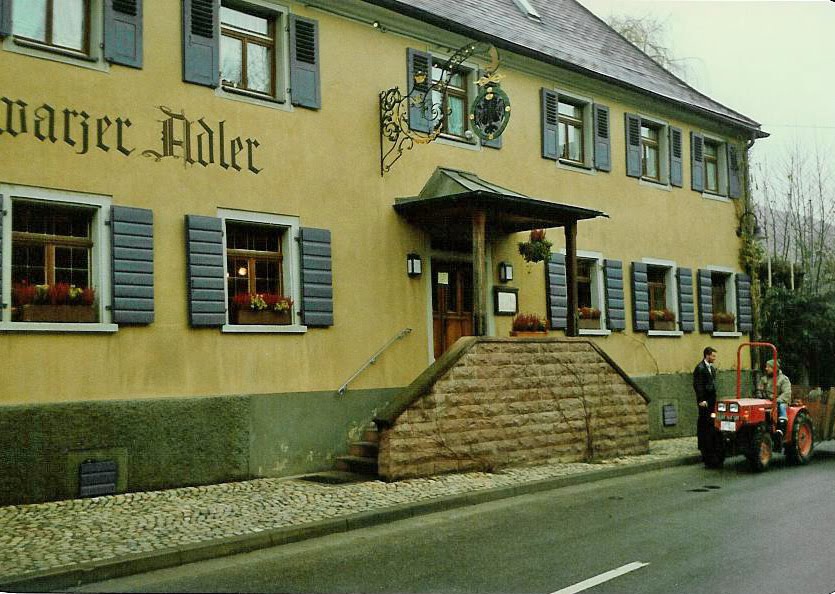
[784, 393]
[704, 383]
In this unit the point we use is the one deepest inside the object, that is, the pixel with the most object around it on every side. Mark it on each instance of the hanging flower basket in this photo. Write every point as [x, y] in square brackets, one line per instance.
[537, 248]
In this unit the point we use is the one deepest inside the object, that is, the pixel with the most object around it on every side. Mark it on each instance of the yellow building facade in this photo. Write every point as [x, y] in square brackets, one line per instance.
[174, 199]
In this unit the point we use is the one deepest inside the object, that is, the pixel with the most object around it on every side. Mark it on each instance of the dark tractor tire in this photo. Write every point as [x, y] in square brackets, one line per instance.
[713, 455]
[760, 453]
[799, 451]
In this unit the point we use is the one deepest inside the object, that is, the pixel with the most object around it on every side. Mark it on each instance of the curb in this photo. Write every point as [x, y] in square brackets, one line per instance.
[63, 578]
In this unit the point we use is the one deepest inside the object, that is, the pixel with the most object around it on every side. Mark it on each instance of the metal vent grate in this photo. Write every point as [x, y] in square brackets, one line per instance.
[669, 415]
[97, 478]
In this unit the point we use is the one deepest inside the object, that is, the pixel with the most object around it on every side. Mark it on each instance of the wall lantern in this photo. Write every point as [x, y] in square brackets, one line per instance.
[413, 265]
[505, 271]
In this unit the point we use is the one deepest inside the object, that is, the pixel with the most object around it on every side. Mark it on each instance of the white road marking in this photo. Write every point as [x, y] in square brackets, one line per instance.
[599, 579]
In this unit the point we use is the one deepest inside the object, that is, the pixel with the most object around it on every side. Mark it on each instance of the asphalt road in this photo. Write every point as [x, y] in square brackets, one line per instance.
[684, 530]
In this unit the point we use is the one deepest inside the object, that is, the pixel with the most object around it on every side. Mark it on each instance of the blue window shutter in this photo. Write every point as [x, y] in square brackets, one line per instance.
[697, 165]
[5, 17]
[734, 172]
[420, 110]
[744, 309]
[686, 311]
[305, 87]
[633, 145]
[615, 307]
[602, 141]
[676, 175]
[496, 143]
[640, 297]
[556, 292]
[550, 124]
[132, 237]
[705, 286]
[201, 42]
[206, 271]
[123, 32]
[316, 277]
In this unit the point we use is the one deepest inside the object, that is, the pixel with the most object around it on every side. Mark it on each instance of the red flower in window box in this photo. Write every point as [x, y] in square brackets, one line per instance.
[60, 302]
[262, 308]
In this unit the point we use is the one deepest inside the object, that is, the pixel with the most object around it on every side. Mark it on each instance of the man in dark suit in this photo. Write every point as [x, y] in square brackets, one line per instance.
[704, 383]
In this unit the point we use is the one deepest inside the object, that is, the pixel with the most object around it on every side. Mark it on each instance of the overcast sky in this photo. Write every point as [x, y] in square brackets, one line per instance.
[772, 60]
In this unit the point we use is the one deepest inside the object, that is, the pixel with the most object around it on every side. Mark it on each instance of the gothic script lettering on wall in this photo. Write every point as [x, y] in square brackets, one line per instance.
[196, 142]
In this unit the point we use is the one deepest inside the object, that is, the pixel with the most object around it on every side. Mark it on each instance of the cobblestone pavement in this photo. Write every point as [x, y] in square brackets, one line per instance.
[51, 536]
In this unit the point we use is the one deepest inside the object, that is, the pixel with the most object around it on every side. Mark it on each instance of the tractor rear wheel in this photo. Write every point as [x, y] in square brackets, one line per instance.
[760, 451]
[800, 449]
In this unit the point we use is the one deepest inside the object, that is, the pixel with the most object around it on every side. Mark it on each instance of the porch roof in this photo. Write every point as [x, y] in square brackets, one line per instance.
[450, 197]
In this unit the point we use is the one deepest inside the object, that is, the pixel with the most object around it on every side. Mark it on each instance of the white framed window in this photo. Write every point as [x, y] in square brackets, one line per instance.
[576, 130]
[715, 156]
[655, 151]
[663, 297]
[591, 300]
[254, 52]
[55, 259]
[69, 31]
[455, 104]
[723, 301]
[262, 271]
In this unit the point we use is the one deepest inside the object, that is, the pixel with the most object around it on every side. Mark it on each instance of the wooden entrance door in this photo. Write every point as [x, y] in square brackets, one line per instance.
[452, 303]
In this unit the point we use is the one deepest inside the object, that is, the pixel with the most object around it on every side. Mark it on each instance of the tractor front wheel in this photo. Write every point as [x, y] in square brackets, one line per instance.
[713, 455]
[800, 449]
[760, 451]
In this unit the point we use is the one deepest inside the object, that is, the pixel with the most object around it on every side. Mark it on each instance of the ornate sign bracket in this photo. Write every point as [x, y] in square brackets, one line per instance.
[428, 95]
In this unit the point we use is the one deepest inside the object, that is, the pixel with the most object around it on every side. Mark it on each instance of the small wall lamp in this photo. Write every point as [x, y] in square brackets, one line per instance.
[413, 265]
[505, 271]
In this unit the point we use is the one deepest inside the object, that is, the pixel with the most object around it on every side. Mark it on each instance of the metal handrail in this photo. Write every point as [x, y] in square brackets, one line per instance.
[372, 360]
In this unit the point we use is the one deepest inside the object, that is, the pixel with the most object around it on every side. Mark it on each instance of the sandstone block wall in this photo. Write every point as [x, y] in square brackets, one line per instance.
[508, 402]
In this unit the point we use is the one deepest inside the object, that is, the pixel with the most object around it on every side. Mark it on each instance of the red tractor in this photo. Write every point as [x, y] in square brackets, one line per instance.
[749, 425]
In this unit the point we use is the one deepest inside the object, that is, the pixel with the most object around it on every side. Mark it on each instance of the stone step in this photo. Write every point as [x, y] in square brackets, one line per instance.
[364, 449]
[358, 464]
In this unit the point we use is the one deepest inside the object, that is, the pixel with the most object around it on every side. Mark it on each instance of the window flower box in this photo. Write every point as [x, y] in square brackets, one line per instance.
[60, 302]
[529, 326]
[588, 318]
[724, 322]
[73, 314]
[263, 317]
[662, 319]
[263, 309]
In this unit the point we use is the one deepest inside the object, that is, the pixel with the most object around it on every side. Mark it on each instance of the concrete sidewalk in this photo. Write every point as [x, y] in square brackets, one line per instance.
[61, 544]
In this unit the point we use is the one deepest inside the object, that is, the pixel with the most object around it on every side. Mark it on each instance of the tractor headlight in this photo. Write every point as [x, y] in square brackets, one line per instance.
[721, 407]
[734, 407]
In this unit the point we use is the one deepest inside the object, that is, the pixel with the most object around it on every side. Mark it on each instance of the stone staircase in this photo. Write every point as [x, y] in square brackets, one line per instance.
[362, 455]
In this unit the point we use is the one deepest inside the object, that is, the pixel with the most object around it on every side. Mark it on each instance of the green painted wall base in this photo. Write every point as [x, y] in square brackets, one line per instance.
[165, 443]
[676, 390]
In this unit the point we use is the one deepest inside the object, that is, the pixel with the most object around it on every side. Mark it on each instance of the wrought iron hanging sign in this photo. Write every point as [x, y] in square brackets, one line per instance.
[488, 117]
[490, 112]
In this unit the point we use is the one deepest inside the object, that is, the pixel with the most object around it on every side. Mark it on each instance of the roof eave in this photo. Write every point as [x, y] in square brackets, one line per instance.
[422, 15]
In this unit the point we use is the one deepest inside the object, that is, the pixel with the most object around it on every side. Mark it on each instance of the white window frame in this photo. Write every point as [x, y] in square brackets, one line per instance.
[94, 61]
[671, 293]
[721, 166]
[663, 153]
[281, 72]
[730, 298]
[471, 141]
[587, 105]
[291, 268]
[598, 291]
[99, 257]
